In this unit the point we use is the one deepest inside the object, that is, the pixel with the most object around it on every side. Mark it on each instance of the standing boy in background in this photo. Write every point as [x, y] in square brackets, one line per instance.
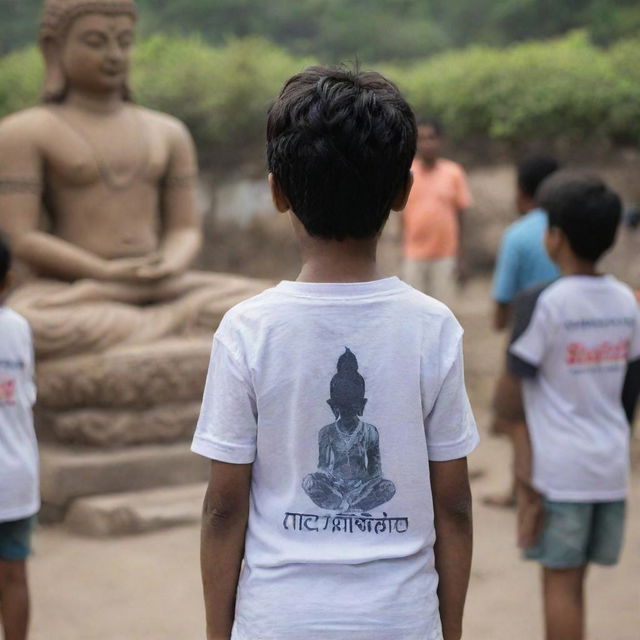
[574, 343]
[433, 218]
[335, 411]
[522, 262]
[19, 492]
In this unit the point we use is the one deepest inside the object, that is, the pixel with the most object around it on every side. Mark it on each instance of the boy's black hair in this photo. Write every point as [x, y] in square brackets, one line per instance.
[5, 259]
[434, 123]
[533, 170]
[340, 145]
[585, 209]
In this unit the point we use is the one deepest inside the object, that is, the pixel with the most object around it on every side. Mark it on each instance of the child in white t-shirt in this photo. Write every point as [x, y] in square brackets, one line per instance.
[575, 343]
[19, 490]
[335, 411]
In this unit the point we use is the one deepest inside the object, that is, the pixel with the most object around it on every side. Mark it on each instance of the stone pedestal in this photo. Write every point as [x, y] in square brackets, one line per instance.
[119, 422]
[69, 473]
[127, 396]
[136, 512]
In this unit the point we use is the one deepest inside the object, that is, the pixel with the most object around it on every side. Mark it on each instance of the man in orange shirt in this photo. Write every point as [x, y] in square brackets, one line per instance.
[432, 219]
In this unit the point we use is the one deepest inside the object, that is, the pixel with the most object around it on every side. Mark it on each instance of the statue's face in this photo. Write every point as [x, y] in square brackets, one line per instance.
[346, 409]
[95, 54]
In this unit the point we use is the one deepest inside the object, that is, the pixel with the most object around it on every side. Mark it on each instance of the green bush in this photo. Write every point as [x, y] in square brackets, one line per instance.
[20, 80]
[545, 90]
[221, 93]
[563, 89]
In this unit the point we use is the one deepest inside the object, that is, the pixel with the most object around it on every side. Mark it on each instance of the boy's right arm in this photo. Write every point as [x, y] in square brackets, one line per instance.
[224, 524]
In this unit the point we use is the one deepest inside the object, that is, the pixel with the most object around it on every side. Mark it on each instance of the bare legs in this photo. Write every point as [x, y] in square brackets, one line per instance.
[563, 593]
[14, 599]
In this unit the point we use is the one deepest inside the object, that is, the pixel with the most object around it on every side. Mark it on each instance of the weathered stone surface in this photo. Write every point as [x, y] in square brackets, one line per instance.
[68, 473]
[115, 428]
[136, 512]
[127, 377]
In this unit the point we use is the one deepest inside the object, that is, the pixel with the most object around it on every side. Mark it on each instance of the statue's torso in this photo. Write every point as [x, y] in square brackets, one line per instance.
[102, 178]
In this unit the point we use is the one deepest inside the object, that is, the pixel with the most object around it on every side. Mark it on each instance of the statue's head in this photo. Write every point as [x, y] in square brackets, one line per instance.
[86, 44]
[347, 388]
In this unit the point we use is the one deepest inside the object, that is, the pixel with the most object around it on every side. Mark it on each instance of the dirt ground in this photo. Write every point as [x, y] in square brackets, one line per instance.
[148, 587]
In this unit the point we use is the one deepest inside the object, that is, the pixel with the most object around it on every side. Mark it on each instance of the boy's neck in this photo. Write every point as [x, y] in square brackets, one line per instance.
[429, 163]
[339, 261]
[574, 266]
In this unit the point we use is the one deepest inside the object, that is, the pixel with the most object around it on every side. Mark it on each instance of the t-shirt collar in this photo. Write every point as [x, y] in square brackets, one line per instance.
[384, 286]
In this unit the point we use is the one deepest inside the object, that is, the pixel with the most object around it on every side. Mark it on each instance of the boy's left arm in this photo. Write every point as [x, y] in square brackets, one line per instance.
[454, 540]
[451, 436]
[224, 523]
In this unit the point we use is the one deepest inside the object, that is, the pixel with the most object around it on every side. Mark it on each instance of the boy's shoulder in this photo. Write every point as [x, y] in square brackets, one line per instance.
[12, 320]
[556, 295]
[620, 288]
[451, 166]
[521, 227]
[561, 290]
[277, 302]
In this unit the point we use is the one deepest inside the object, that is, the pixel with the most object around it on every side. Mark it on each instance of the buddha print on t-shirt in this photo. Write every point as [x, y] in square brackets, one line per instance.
[349, 476]
[349, 479]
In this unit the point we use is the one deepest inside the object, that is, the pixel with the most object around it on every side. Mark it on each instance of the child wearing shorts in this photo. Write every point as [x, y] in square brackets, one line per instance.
[575, 346]
[19, 486]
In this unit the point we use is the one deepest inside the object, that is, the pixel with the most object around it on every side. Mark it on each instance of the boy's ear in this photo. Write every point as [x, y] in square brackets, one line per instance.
[554, 238]
[400, 201]
[280, 201]
[6, 282]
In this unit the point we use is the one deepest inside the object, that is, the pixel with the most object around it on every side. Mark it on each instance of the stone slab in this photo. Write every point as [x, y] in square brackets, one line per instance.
[136, 512]
[126, 377]
[118, 427]
[69, 473]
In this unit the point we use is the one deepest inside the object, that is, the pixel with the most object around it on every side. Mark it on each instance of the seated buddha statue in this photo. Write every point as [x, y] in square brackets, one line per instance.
[98, 200]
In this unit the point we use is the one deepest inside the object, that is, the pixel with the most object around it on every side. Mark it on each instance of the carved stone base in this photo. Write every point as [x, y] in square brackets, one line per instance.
[118, 427]
[140, 377]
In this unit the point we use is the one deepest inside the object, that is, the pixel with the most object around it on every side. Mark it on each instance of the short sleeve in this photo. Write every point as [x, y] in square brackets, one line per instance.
[634, 346]
[463, 194]
[30, 367]
[505, 279]
[227, 427]
[450, 426]
[532, 327]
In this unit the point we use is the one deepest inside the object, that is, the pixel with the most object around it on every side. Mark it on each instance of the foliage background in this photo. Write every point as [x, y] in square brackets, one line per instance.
[564, 89]
[373, 30]
[511, 71]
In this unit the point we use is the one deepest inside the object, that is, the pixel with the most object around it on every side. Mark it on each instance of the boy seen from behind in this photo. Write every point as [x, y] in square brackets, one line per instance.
[335, 412]
[575, 343]
[19, 485]
[522, 260]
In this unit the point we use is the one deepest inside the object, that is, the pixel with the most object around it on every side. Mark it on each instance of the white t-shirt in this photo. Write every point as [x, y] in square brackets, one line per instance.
[583, 332]
[340, 535]
[19, 484]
